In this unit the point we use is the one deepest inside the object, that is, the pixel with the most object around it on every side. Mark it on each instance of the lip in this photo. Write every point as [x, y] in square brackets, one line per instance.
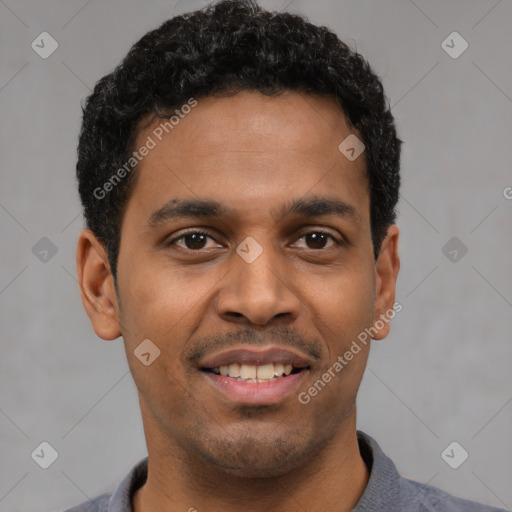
[257, 393]
[256, 356]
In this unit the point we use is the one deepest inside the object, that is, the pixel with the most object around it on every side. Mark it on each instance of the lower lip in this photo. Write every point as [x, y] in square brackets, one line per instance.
[257, 393]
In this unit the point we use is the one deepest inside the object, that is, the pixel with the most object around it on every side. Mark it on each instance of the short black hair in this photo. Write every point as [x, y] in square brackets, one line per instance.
[231, 45]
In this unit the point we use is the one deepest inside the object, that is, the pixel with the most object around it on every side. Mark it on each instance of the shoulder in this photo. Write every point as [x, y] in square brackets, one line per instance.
[98, 504]
[387, 490]
[120, 499]
[427, 498]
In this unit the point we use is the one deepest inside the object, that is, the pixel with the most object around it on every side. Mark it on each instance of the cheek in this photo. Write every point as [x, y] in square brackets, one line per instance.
[165, 305]
[157, 298]
[161, 305]
[344, 305]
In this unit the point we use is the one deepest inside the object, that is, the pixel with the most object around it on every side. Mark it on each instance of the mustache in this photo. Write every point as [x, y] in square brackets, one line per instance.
[281, 336]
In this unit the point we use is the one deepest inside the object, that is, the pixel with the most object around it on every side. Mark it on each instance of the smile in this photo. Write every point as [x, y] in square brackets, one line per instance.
[252, 373]
[261, 375]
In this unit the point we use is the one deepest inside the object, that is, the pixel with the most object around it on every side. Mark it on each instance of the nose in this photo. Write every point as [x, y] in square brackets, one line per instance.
[258, 292]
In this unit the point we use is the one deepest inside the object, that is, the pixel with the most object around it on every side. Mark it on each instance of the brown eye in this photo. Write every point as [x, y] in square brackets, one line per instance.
[193, 240]
[318, 240]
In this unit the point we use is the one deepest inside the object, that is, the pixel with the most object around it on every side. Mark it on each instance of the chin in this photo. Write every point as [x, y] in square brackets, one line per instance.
[257, 457]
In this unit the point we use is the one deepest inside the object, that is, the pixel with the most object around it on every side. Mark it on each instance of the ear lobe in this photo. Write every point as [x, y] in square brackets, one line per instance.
[387, 268]
[97, 286]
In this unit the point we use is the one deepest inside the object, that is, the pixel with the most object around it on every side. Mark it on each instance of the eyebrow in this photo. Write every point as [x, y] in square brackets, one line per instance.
[176, 209]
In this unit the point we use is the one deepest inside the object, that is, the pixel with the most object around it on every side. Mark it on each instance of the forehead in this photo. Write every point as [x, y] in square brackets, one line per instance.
[252, 121]
[250, 150]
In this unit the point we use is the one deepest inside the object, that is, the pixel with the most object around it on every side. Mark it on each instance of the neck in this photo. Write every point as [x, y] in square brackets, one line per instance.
[334, 478]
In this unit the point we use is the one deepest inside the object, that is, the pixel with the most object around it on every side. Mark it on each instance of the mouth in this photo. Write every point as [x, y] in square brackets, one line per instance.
[256, 377]
[269, 372]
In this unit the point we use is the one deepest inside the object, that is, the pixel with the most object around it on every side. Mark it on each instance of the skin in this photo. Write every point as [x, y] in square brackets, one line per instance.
[253, 154]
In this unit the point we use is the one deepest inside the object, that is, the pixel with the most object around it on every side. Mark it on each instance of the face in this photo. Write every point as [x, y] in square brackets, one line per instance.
[246, 243]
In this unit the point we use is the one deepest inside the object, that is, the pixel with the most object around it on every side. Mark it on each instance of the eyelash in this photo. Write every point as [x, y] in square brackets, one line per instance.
[337, 241]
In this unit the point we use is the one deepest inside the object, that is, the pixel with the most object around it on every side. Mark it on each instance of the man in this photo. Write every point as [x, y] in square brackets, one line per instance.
[239, 172]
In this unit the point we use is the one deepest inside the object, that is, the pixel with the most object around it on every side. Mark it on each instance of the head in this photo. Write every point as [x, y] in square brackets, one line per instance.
[219, 134]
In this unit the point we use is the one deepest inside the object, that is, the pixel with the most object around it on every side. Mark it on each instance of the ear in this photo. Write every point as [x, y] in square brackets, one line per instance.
[387, 267]
[97, 286]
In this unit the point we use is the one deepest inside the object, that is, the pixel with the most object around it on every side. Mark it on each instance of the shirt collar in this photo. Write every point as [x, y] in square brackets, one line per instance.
[121, 499]
[383, 489]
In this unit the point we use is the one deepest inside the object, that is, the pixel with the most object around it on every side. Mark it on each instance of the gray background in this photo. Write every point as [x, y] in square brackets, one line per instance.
[443, 375]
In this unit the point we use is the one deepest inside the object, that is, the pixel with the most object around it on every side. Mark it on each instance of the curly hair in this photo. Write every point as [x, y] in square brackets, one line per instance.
[231, 45]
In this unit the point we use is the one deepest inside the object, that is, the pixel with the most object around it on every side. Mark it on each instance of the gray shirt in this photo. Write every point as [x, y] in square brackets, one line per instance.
[386, 490]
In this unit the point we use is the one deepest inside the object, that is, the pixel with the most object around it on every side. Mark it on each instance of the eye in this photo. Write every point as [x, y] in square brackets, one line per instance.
[196, 240]
[192, 240]
[318, 240]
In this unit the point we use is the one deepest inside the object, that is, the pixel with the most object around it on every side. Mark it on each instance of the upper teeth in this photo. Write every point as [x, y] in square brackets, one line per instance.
[253, 373]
